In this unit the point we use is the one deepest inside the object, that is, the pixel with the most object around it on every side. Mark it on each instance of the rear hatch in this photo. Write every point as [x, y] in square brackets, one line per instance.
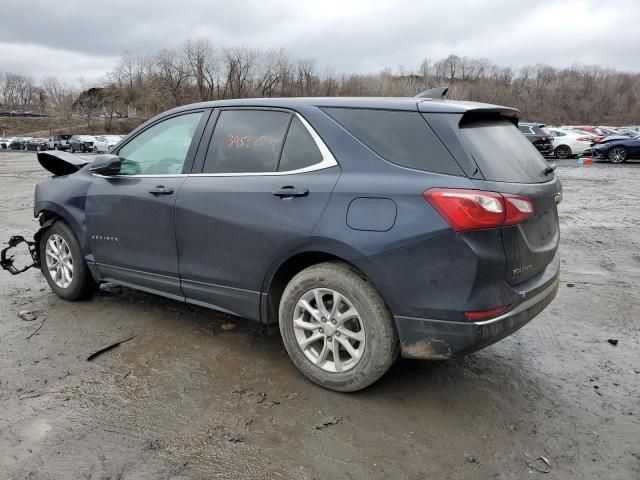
[498, 158]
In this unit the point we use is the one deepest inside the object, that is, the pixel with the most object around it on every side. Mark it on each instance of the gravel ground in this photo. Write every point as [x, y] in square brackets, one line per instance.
[199, 395]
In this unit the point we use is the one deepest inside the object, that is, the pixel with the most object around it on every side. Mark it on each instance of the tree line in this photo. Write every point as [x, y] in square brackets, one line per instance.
[199, 71]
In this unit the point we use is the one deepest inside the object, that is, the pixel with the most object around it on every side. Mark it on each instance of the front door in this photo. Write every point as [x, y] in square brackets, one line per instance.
[131, 215]
[265, 183]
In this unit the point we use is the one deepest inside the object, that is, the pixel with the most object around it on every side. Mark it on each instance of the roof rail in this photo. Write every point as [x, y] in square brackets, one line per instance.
[437, 92]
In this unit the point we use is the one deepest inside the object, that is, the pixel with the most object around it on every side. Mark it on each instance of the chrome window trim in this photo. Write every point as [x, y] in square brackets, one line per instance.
[328, 161]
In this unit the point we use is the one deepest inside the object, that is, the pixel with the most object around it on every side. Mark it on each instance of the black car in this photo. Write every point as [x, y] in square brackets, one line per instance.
[539, 136]
[36, 144]
[19, 144]
[365, 227]
[81, 143]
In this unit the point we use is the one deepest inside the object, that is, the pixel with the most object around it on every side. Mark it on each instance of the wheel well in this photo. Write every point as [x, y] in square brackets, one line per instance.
[286, 272]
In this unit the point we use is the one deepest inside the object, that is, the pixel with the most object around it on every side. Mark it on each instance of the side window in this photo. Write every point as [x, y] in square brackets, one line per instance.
[246, 141]
[300, 150]
[524, 129]
[401, 137]
[162, 148]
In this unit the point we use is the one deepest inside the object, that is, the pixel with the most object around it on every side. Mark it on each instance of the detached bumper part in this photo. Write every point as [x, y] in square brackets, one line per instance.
[6, 262]
[438, 339]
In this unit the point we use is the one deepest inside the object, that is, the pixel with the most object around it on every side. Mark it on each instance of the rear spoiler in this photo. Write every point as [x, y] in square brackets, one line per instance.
[61, 163]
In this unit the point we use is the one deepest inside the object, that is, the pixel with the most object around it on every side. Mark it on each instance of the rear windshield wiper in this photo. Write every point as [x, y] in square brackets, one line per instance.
[549, 169]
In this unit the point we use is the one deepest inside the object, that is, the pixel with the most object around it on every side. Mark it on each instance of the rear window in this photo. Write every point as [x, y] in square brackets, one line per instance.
[502, 153]
[403, 138]
[541, 131]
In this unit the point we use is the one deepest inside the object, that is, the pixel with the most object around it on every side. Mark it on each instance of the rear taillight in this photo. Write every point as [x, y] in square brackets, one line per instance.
[477, 209]
[542, 139]
[486, 314]
[583, 139]
[596, 140]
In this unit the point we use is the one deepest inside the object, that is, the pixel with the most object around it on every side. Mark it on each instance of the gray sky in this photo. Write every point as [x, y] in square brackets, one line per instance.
[43, 38]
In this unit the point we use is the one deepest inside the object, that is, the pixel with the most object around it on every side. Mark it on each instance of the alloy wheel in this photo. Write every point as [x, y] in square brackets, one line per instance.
[618, 155]
[329, 330]
[59, 261]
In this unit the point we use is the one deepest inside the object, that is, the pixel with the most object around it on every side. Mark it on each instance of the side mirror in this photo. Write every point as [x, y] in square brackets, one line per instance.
[106, 165]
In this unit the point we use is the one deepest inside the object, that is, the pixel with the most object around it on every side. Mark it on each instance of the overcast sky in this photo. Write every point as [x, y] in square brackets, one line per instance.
[73, 38]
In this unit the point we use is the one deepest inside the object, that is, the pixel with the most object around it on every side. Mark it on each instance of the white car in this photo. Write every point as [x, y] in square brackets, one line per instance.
[4, 143]
[104, 143]
[567, 143]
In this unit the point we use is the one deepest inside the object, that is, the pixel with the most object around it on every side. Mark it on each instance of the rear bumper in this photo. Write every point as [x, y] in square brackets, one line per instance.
[439, 339]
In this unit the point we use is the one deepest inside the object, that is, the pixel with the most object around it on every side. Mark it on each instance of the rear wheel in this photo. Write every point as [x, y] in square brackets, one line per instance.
[563, 151]
[336, 327]
[618, 155]
[63, 265]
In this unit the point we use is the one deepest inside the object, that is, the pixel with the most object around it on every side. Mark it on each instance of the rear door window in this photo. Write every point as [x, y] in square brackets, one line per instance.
[246, 141]
[300, 150]
[401, 137]
[502, 153]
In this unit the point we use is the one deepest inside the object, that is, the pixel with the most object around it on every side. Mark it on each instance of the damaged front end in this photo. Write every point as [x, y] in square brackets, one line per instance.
[7, 262]
[60, 164]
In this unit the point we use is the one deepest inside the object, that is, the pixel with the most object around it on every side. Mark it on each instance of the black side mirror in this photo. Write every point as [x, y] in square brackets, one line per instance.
[106, 165]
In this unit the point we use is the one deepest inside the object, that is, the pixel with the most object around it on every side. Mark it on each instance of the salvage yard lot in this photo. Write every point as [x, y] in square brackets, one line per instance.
[196, 394]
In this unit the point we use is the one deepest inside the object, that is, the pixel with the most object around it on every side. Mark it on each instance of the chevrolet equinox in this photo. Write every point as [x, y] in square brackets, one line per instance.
[366, 227]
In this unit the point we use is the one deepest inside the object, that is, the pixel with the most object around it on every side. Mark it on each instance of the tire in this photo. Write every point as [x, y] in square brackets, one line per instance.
[618, 155]
[55, 147]
[563, 151]
[72, 150]
[82, 284]
[374, 324]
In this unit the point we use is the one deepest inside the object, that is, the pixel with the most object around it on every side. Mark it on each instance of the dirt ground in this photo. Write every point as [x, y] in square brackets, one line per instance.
[191, 397]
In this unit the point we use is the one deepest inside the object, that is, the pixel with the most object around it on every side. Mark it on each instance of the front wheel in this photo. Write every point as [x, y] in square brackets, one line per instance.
[63, 265]
[618, 155]
[336, 327]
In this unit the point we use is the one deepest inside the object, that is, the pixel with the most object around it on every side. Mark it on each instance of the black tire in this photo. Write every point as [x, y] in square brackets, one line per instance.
[72, 150]
[55, 147]
[82, 284]
[618, 155]
[563, 151]
[382, 345]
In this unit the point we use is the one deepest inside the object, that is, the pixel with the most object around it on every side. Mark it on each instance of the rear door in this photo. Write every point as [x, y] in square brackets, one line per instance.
[131, 215]
[266, 178]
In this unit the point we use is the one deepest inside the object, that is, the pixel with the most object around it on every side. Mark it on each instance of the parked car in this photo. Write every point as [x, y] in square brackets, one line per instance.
[539, 136]
[19, 143]
[347, 221]
[59, 142]
[4, 143]
[619, 150]
[587, 129]
[632, 127]
[37, 144]
[567, 143]
[105, 143]
[81, 143]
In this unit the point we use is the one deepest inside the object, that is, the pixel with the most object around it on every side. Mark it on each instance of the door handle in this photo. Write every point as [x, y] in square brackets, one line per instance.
[288, 192]
[161, 190]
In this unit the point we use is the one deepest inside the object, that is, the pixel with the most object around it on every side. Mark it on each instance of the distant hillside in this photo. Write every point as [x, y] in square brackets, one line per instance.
[43, 127]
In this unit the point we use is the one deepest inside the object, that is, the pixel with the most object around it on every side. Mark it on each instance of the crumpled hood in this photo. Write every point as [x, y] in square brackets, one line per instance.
[59, 162]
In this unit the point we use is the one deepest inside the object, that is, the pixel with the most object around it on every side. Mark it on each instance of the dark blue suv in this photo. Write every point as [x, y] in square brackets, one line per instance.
[367, 227]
